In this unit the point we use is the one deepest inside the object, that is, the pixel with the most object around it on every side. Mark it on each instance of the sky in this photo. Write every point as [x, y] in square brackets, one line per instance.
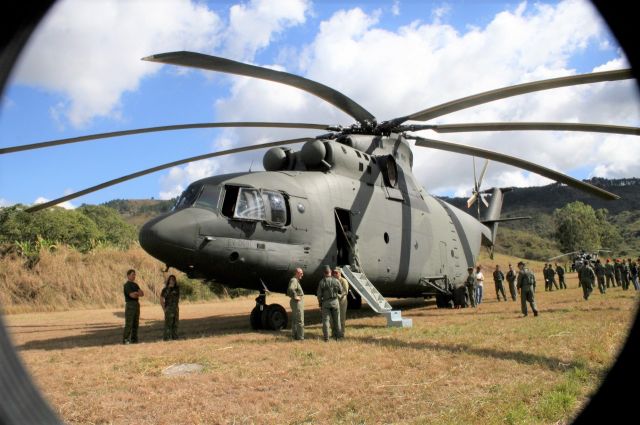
[81, 73]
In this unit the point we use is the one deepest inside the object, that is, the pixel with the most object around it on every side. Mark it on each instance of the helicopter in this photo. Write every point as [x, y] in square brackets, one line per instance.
[578, 258]
[347, 197]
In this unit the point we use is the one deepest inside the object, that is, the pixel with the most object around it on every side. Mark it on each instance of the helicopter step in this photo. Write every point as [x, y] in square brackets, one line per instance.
[376, 301]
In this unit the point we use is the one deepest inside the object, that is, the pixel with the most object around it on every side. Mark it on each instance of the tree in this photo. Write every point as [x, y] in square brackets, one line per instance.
[580, 227]
[113, 230]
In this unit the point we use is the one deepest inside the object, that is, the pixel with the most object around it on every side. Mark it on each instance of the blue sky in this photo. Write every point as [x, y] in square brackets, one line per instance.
[82, 74]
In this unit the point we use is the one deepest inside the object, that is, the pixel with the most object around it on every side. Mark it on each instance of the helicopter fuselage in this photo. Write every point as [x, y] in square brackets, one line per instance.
[252, 230]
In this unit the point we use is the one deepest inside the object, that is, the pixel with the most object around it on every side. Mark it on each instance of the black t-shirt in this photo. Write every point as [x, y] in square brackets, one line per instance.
[130, 287]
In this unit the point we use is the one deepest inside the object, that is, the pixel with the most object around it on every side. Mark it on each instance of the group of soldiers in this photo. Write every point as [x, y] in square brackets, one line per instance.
[522, 282]
[169, 300]
[549, 274]
[608, 275]
[332, 299]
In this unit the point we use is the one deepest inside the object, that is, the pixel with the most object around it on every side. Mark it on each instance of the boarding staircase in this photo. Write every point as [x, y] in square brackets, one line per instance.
[362, 285]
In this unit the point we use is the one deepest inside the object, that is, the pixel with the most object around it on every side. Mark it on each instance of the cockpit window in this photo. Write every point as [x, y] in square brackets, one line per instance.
[209, 197]
[188, 197]
[250, 205]
[276, 208]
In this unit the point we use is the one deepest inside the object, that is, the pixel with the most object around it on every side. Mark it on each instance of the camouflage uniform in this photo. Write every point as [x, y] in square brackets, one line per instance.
[498, 278]
[617, 273]
[599, 271]
[587, 279]
[171, 297]
[297, 308]
[328, 292]
[561, 281]
[470, 283]
[608, 274]
[634, 275]
[511, 278]
[131, 313]
[625, 275]
[527, 286]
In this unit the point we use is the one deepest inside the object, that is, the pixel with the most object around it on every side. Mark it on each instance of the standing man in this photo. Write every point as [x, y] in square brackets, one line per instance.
[169, 299]
[328, 292]
[294, 291]
[545, 275]
[617, 270]
[560, 271]
[608, 273]
[599, 271]
[527, 288]
[342, 300]
[132, 293]
[498, 278]
[479, 285]
[587, 278]
[511, 278]
[633, 270]
[552, 277]
[625, 273]
[470, 283]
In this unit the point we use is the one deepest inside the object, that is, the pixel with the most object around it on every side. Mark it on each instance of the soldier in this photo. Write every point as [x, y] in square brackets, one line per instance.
[132, 293]
[511, 278]
[295, 292]
[552, 277]
[633, 270]
[169, 299]
[545, 275]
[498, 278]
[354, 259]
[587, 278]
[560, 271]
[527, 287]
[608, 273]
[617, 272]
[625, 273]
[337, 273]
[470, 283]
[599, 271]
[328, 292]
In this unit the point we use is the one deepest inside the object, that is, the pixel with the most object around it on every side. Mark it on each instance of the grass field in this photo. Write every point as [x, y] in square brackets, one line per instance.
[483, 366]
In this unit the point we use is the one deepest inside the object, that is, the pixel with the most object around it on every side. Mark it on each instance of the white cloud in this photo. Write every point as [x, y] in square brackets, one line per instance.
[352, 54]
[5, 203]
[66, 205]
[252, 26]
[91, 51]
[395, 8]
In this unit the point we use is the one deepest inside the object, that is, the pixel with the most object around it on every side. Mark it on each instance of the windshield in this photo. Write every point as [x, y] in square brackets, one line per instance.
[209, 197]
[188, 197]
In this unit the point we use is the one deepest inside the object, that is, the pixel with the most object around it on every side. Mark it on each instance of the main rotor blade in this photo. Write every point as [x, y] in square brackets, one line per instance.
[517, 126]
[502, 93]
[516, 162]
[214, 63]
[41, 145]
[163, 167]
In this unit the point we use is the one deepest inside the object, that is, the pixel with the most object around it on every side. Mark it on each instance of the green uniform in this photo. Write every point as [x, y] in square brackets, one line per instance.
[617, 273]
[608, 274]
[561, 282]
[470, 283]
[329, 290]
[498, 278]
[587, 278]
[599, 271]
[527, 285]
[342, 300]
[171, 311]
[511, 278]
[297, 308]
[131, 313]
[625, 275]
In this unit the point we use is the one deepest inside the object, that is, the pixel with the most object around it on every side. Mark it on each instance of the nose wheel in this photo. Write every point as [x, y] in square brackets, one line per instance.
[265, 316]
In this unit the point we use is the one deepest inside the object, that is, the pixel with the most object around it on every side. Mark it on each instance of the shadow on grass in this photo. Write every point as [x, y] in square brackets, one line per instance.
[551, 363]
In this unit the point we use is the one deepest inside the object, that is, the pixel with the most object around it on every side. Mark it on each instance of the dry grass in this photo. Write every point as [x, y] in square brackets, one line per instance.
[66, 279]
[484, 366]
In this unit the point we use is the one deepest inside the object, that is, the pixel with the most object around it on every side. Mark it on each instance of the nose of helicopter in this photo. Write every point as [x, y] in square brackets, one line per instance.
[170, 238]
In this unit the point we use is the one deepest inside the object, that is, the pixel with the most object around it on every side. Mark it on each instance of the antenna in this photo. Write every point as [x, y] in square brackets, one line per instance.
[250, 165]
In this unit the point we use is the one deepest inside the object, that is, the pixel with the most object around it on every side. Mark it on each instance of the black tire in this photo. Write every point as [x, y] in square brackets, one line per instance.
[276, 317]
[354, 301]
[443, 301]
[256, 318]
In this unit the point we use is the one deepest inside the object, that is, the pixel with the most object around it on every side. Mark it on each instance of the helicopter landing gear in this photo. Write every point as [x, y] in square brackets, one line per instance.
[267, 316]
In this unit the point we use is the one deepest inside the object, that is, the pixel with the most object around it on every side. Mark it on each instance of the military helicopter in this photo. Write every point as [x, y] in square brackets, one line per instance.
[579, 257]
[348, 197]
